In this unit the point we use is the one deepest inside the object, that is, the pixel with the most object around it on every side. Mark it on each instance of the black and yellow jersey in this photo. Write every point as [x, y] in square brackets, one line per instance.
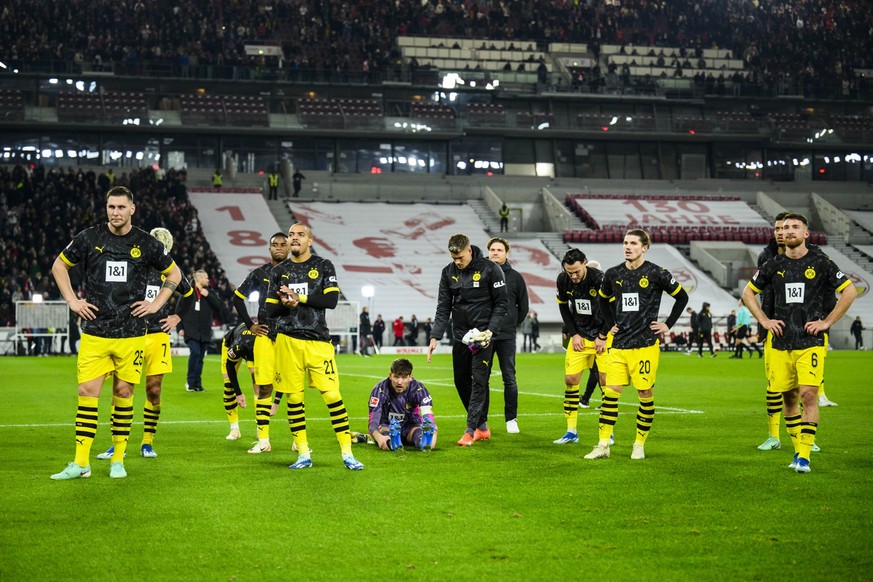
[635, 295]
[803, 291]
[579, 304]
[116, 271]
[315, 278]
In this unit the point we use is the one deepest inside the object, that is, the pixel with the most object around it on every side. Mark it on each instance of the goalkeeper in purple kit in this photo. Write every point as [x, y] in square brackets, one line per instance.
[401, 410]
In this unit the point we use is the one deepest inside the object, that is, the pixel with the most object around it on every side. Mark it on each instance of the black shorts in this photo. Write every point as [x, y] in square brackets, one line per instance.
[742, 332]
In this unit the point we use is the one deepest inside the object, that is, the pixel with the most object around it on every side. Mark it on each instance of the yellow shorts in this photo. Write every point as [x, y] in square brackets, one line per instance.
[300, 360]
[638, 365]
[265, 361]
[100, 356]
[577, 362]
[158, 360]
[789, 369]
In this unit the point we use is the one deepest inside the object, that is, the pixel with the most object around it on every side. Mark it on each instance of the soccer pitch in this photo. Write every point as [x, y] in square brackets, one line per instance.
[704, 504]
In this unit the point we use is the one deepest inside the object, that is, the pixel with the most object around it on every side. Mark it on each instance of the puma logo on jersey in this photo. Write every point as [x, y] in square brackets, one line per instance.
[100, 249]
[618, 283]
[781, 273]
[455, 278]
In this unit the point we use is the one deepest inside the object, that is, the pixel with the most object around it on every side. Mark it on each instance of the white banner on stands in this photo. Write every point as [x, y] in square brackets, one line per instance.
[397, 252]
[863, 305]
[238, 226]
[677, 212]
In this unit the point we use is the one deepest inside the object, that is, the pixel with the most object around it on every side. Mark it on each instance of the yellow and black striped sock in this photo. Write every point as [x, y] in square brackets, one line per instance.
[151, 413]
[262, 416]
[608, 415]
[571, 407]
[645, 416]
[122, 418]
[792, 425]
[297, 421]
[339, 418]
[774, 413]
[86, 429]
[807, 438]
[230, 405]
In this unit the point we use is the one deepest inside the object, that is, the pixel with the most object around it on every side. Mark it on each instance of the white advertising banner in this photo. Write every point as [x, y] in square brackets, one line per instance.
[675, 212]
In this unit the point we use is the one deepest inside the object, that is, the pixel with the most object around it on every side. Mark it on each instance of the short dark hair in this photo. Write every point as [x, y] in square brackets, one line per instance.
[277, 234]
[120, 191]
[495, 239]
[401, 367]
[458, 243]
[573, 256]
[781, 216]
[796, 216]
[644, 236]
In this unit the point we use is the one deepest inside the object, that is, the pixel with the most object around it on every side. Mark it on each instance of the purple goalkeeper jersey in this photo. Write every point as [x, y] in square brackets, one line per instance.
[386, 404]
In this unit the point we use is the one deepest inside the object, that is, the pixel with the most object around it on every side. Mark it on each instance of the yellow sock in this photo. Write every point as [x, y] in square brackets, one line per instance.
[86, 429]
[230, 406]
[774, 413]
[122, 418]
[262, 416]
[571, 407]
[297, 421]
[339, 418]
[792, 425]
[807, 438]
[645, 416]
[608, 415]
[151, 413]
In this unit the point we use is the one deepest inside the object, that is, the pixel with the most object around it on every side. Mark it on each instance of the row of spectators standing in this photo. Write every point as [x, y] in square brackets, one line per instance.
[41, 209]
[830, 38]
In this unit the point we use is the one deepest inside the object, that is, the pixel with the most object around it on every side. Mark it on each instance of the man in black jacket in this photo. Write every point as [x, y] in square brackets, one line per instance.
[196, 328]
[704, 323]
[473, 291]
[365, 331]
[504, 338]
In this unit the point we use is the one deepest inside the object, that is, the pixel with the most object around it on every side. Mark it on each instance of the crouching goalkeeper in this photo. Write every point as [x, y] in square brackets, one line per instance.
[401, 410]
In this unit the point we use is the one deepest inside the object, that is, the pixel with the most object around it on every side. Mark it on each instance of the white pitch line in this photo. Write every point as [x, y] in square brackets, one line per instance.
[325, 419]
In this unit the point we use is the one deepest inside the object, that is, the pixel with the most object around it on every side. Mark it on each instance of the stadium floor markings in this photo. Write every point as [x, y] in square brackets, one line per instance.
[587, 412]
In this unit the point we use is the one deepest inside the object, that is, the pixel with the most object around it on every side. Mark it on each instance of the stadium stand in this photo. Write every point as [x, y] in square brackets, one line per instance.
[43, 209]
[11, 105]
[434, 115]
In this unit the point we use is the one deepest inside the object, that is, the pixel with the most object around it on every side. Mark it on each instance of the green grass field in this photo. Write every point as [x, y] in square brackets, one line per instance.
[704, 504]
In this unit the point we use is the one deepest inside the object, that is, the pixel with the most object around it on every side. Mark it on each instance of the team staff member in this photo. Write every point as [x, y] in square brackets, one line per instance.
[504, 338]
[116, 258]
[577, 287]
[196, 328]
[635, 288]
[803, 283]
[472, 290]
[157, 357]
[258, 282]
[302, 288]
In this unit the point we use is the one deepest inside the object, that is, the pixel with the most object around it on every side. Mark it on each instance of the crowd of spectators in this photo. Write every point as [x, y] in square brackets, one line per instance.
[790, 43]
[41, 210]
